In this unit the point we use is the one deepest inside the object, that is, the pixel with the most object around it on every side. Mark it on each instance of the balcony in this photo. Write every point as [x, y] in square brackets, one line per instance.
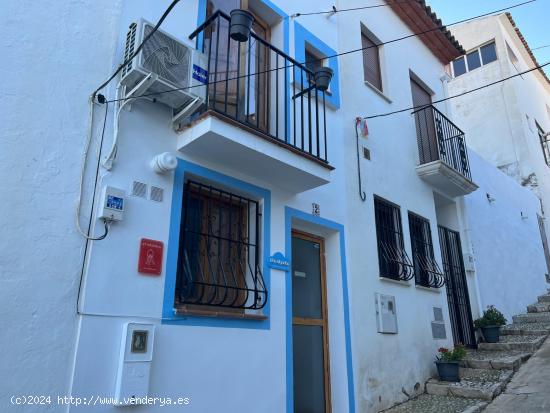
[250, 120]
[443, 154]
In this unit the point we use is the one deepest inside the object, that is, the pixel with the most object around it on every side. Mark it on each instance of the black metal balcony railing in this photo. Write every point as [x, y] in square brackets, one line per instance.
[250, 83]
[441, 139]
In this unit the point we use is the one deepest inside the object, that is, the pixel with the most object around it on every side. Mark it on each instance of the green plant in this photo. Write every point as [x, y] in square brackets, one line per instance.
[456, 354]
[491, 317]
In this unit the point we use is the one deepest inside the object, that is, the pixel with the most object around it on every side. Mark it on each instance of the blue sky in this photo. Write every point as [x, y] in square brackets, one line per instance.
[532, 19]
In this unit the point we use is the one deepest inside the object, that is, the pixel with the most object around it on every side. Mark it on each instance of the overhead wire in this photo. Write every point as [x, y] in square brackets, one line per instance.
[145, 95]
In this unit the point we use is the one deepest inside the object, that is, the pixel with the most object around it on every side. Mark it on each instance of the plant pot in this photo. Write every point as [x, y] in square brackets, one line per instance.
[322, 78]
[491, 334]
[241, 25]
[448, 370]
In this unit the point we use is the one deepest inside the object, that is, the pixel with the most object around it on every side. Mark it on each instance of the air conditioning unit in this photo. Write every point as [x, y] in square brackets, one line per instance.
[164, 64]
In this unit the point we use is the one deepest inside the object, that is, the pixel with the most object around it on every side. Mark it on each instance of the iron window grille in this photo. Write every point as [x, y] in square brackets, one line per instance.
[426, 270]
[393, 260]
[219, 258]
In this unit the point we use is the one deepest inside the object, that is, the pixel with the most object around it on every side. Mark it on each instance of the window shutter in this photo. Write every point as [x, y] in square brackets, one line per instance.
[371, 62]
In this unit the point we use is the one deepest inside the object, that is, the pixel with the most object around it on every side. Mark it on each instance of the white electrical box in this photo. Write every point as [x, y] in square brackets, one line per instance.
[469, 262]
[386, 314]
[112, 204]
[134, 365]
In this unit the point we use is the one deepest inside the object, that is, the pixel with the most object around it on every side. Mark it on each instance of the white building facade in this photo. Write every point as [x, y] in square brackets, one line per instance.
[512, 132]
[279, 257]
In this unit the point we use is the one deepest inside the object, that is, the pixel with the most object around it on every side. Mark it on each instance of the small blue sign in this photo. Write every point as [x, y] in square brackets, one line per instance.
[279, 262]
[115, 202]
[200, 74]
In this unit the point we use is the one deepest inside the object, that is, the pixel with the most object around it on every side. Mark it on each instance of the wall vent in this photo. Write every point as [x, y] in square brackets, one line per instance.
[156, 193]
[139, 189]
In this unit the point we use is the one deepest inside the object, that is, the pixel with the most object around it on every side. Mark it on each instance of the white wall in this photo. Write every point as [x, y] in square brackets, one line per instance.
[53, 57]
[509, 258]
[499, 121]
[390, 174]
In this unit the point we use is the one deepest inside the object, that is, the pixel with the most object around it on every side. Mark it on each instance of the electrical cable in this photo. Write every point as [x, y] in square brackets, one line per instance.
[541, 47]
[83, 170]
[138, 49]
[413, 108]
[145, 95]
[335, 10]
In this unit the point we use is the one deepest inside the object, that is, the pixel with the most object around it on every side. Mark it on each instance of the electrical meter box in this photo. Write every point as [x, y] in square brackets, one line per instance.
[112, 204]
[386, 314]
[469, 262]
[134, 365]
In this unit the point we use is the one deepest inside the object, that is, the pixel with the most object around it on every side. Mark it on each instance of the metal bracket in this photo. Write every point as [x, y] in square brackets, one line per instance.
[186, 110]
[141, 87]
[303, 92]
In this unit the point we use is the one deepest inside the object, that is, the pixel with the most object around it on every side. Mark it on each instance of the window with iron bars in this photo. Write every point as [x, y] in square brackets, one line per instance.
[426, 270]
[393, 260]
[219, 253]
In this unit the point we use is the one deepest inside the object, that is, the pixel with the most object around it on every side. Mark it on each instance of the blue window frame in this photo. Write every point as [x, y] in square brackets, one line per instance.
[306, 42]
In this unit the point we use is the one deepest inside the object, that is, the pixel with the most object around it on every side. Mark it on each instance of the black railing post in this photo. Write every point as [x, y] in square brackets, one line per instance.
[435, 129]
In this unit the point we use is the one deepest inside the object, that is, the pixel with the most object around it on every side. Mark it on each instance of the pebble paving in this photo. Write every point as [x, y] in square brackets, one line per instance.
[493, 355]
[528, 326]
[519, 339]
[428, 403]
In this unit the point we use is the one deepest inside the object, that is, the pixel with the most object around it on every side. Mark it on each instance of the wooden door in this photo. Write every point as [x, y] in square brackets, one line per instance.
[310, 325]
[425, 126]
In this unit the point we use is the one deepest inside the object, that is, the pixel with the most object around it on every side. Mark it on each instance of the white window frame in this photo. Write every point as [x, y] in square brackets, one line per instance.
[478, 50]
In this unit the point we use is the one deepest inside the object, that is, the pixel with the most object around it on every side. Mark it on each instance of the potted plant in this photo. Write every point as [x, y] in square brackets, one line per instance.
[490, 324]
[447, 362]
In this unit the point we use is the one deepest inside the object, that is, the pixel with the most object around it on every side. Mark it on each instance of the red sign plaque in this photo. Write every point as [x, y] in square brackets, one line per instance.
[150, 256]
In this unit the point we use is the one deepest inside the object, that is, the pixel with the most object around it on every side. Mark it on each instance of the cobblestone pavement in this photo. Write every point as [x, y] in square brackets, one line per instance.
[429, 403]
[529, 389]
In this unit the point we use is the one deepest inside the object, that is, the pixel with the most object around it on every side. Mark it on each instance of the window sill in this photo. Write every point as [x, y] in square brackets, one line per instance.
[432, 290]
[392, 281]
[378, 91]
[184, 311]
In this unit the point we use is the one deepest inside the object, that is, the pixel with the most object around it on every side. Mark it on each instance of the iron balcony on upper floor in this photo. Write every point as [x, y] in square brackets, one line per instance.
[443, 153]
[251, 121]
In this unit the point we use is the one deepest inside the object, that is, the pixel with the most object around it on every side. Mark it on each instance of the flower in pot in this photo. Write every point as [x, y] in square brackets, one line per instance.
[490, 324]
[447, 362]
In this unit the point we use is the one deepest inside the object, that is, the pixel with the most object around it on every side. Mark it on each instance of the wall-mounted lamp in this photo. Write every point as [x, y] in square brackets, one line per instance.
[164, 163]
[524, 217]
[490, 198]
[240, 25]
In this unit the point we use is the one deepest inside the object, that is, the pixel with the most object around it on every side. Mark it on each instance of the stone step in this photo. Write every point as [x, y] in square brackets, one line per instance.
[534, 329]
[544, 298]
[526, 343]
[474, 384]
[531, 318]
[539, 308]
[431, 403]
[495, 360]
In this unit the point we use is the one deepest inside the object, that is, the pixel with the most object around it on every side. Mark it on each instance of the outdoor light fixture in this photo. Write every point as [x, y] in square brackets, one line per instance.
[241, 25]
[164, 163]
[490, 198]
[321, 79]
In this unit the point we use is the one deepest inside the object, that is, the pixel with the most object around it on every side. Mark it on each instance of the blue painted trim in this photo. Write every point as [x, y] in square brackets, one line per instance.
[291, 213]
[302, 36]
[201, 17]
[187, 168]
